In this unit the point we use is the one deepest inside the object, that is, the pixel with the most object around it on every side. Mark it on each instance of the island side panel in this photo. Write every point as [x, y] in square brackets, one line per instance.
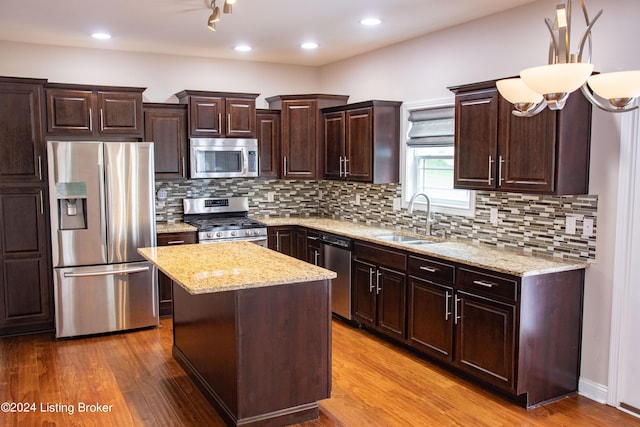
[284, 340]
[204, 333]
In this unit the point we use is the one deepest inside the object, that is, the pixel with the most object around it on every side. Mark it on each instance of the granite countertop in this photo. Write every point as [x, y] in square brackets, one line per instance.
[506, 261]
[230, 266]
[177, 227]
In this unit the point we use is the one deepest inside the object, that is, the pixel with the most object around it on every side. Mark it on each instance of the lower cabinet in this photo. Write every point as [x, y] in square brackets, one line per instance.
[379, 289]
[520, 335]
[165, 284]
[282, 239]
[26, 294]
[314, 252]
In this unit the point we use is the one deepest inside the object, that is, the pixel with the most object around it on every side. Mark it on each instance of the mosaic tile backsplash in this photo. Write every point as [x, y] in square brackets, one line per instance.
[531, 223]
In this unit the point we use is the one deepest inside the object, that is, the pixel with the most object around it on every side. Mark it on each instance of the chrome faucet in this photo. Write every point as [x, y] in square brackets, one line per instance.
[430, 219]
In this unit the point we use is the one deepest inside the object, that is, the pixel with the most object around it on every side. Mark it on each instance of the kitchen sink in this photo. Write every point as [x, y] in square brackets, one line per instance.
[409, 240]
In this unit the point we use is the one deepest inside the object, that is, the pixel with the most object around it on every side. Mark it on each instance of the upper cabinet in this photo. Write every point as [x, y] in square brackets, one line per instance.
[220, 114]
[301, 149]
[361, 142]
[166, 126]
[268, 124]
[21, 140]
[495, 150]
[94, 110]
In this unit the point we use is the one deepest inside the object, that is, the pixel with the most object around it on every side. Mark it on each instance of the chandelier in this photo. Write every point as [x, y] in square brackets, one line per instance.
[550, 85]
[215, 14]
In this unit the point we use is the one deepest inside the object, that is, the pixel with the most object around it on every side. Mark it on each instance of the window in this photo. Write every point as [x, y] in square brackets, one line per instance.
[428, 154]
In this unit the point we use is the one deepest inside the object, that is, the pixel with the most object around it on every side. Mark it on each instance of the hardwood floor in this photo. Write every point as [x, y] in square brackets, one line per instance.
[139, 384]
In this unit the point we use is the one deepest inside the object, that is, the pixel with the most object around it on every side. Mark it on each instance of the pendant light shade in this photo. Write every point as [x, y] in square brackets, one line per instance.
[516, 91]
[619, 87]
[557, 78]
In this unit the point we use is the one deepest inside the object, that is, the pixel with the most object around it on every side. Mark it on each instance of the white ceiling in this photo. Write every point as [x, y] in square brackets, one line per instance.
[274, 28]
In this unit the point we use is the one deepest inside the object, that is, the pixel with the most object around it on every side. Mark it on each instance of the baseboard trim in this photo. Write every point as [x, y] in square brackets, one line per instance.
[593, 390]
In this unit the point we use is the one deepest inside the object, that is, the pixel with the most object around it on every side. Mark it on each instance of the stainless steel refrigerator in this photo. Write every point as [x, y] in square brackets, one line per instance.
[102, 210]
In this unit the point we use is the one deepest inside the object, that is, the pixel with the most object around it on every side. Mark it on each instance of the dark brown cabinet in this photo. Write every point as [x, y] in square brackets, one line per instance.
[26, 291]
[220, 114]
[26, 303]
[165, 284]
[165, 125]
[495, 150]
[283, 239]
[268, 124]
[314, 253]
[379, 289]
[94, 111]
[21, 141]
[430, 313]
[301, 149]
[361, 142]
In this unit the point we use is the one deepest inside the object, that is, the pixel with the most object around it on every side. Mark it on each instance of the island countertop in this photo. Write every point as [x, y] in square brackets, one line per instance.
[219, 267]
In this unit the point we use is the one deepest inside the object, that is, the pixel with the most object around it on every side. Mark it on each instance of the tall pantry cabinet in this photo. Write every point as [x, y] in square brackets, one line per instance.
[26, 302]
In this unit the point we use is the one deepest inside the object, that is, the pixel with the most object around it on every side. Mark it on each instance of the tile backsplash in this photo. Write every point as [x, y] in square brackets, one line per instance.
[531, 223]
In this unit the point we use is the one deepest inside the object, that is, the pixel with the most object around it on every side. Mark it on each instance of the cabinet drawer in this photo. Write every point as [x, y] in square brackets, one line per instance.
[492, 286]
[166, 239]
[380, 255]
[431, 270]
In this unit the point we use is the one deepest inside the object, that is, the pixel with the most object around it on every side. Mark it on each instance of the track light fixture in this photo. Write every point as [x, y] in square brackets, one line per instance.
[550, 85]
[215, 14]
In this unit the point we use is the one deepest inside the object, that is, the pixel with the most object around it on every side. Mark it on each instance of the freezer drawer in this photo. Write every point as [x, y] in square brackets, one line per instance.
[106, 298]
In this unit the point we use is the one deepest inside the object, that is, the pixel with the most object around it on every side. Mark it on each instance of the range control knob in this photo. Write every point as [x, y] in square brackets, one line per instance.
[234, 233]
[218, 233]
[249, 232]
[209, 235]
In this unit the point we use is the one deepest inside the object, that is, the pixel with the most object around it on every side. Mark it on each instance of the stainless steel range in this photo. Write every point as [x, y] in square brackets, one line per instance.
[223, 220]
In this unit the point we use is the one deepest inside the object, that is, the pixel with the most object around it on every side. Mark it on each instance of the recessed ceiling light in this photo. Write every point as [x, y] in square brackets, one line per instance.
[243, 48]
[370, 21]
[309, 45]
[101, 36]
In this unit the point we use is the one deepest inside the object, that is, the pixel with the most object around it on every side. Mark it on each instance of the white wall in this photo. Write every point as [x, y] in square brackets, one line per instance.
[419, 69]
[499, 46]
[162, 75]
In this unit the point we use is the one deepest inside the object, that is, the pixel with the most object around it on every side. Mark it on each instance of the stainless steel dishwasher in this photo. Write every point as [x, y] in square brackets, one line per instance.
[337, 258]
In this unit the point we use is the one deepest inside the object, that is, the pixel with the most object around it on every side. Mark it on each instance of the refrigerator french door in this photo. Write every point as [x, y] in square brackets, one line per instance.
[102, 210]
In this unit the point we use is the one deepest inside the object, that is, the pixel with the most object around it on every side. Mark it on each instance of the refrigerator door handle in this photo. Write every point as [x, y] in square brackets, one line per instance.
[107, 272]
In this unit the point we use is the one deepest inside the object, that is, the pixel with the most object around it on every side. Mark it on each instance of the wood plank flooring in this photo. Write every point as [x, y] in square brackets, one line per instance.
[134, 375]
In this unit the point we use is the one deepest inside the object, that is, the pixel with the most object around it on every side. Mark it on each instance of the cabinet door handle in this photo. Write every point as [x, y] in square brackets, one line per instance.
[490, 178]
[277, 241]
[456, 316]
[429, 269]
[228, 122]
[184, 170]
[346, 170]
[219, 122]
[340, 174]
[41, 202]
[371, 272]
[316, 255]
[40, 167]
[90, 119]
[285, 166]
[378, 289]
[312, 238]
[447, 313]
[500, 162]
[175, 242]
[101, 120]
[484, 283]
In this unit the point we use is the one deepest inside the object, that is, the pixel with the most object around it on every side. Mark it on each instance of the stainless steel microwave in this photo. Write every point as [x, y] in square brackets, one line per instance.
[223, 157]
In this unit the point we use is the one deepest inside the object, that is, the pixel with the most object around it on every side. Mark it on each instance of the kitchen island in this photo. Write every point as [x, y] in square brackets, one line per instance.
[252, 328]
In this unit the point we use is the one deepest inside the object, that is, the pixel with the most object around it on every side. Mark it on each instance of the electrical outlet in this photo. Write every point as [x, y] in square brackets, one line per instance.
[493, 216]
[570, 225]
[271, 196]
[587, 227]
[397, 204]
[357, 201]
